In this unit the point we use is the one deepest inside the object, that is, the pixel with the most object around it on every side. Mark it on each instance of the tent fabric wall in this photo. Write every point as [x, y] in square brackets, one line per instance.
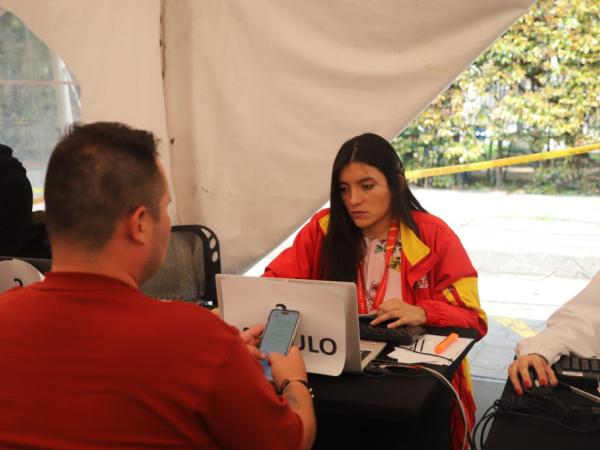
[259, 95]
[112, 48]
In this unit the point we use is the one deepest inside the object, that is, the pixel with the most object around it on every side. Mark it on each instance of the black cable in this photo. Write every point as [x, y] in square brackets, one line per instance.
[482, 435]
[484, 429]
[483, 423]
[375, 372]
[390, 364]
[472, 445]
[480, 422]
[483, 420]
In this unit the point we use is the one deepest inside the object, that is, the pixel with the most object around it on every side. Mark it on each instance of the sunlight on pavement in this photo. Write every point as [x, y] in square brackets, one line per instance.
[516, 325]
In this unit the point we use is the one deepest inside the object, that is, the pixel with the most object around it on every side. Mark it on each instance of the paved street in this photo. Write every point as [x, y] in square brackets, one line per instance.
[532, 252]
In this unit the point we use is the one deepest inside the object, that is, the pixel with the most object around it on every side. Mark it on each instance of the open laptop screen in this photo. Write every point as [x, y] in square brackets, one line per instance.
[328, 333]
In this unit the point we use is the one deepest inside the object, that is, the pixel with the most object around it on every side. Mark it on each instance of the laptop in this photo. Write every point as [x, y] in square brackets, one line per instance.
[328, 335]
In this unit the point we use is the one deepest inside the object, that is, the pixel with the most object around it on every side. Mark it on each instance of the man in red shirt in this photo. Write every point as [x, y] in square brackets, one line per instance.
[90, 362]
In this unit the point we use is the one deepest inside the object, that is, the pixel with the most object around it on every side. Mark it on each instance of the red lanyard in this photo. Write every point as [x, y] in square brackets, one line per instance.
[360, 284]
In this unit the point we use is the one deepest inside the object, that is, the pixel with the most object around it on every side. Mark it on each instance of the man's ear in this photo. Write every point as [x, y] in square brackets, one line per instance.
[138, 225]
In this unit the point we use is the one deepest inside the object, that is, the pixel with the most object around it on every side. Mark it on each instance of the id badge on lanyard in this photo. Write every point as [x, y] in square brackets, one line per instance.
[360, 284]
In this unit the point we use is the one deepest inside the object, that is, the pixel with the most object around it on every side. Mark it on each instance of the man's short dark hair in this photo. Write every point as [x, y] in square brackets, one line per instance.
[97, 174]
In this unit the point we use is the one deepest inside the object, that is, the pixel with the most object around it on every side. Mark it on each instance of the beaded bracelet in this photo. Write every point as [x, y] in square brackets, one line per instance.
[287, 382]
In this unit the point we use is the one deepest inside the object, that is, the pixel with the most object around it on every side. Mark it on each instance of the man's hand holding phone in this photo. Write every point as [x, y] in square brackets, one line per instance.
[285, 367]
[279, 335]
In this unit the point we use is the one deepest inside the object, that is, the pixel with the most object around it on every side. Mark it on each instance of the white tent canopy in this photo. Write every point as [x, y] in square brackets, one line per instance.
[252, 99]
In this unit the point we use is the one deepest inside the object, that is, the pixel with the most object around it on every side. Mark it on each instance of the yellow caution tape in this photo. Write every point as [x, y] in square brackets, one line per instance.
[38, 200]
[471, 167]
[513, 160]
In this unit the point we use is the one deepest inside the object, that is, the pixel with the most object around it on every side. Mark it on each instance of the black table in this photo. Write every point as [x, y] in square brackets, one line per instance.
[403, 409]
[528, 433]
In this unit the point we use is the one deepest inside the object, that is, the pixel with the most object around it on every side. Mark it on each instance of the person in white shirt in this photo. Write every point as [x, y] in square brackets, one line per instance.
[573, 328]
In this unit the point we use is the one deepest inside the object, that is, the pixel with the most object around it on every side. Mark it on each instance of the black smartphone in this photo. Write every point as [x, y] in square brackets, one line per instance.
[279, 335]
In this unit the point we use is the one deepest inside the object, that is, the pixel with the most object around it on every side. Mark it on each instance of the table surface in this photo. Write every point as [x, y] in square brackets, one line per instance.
[401, 394]
[404, 409]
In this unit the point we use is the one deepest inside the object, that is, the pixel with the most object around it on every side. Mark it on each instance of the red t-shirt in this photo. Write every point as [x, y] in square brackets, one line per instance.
[87, 362]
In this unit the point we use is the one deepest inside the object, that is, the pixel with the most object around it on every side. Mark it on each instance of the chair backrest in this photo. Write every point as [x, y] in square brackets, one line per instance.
[17, 273]
[188, 272]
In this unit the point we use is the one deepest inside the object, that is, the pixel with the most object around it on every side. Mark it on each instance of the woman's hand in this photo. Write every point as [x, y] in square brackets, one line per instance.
[405, 314]
[520, 370]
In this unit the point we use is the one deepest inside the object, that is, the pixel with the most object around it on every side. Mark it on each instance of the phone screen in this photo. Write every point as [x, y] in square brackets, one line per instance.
[278, 335]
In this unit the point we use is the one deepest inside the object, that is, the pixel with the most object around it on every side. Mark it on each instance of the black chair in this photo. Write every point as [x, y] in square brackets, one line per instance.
[188, 272]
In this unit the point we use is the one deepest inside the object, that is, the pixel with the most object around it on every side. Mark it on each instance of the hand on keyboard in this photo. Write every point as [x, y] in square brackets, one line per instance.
[402, 313]
[404, 335]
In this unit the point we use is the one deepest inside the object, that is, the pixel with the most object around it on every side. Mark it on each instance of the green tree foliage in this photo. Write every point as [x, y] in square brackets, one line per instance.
[536, 89]
[25, 107]
[30, 100]
[22, 55]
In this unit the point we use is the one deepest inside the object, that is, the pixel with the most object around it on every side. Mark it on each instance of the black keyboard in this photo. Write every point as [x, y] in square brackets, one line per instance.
[576, 370]
[404, 335]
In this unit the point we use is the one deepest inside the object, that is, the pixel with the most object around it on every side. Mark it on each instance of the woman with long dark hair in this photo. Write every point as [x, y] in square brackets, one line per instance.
[408, 264]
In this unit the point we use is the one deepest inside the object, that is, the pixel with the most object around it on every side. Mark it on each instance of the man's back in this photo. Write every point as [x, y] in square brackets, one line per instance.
[89, 362]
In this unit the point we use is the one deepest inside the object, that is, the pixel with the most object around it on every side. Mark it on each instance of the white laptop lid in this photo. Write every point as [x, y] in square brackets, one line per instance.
[328, 332]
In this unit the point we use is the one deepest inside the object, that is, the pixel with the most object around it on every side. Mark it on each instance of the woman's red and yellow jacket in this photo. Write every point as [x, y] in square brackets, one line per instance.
[436, 274]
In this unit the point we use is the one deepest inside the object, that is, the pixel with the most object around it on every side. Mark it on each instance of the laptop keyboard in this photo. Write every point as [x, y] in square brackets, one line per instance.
[364, 354]
[404, 335]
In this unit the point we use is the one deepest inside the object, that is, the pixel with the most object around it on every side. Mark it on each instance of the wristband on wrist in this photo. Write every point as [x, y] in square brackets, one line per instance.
[287, 382]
